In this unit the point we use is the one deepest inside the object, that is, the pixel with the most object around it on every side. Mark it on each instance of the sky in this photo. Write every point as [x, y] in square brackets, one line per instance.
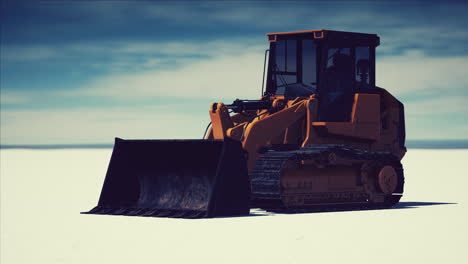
[84, 72]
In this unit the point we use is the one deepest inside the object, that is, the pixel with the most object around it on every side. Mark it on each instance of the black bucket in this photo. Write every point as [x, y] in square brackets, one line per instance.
[176, 178]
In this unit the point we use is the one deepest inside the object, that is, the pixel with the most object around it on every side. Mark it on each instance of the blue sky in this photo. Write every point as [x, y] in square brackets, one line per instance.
[86, 72]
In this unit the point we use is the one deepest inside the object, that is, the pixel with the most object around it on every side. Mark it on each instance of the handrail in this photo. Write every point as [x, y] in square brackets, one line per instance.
[264, 64]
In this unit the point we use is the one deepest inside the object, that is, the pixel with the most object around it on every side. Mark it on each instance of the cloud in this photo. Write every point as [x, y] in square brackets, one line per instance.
[99, 125]
[439, 106]
[252, 14]
[229, 70]
[239, 75]
[415, 72]
[223, 76]
[399, 28]
[120, 57]
[220, 59]
[11, 97]
[27, 53]
[35, 52]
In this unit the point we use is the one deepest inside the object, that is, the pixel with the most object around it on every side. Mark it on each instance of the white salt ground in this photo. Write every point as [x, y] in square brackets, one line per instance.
[43, 191]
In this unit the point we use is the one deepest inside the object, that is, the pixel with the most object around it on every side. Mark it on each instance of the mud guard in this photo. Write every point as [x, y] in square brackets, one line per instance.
[176, 178]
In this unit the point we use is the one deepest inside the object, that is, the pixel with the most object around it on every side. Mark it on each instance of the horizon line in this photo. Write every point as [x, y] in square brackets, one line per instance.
[412, 144]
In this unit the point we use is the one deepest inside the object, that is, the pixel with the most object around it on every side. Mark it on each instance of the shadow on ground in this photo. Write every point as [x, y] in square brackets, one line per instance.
[401, 205]
[405, 205]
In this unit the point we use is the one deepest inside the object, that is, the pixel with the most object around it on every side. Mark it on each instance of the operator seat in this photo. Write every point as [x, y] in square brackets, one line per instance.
[336, 95]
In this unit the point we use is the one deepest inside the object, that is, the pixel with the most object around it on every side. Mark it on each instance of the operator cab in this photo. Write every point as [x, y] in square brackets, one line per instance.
[332, 64]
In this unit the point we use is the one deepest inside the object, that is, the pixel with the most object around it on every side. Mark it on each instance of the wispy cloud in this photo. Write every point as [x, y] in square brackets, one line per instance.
[414, 71]
[438, 106]
[226, 76]
[400, 26]
[98, 125]
[255, 14]
[235, 70]
[116, 48]
[11, 97]
[27, 53]
[241, 74]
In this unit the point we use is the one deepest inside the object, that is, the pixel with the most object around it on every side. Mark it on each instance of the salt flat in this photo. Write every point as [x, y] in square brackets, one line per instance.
[43, 191]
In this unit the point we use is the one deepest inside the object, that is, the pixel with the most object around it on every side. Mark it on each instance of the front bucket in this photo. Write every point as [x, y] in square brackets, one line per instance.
[176, 178]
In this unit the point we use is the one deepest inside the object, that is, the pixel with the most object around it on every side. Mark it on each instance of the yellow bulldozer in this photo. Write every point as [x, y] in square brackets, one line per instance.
[323, 136]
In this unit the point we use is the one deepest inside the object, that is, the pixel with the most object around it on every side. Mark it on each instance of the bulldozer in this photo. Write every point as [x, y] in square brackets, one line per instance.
[322, 136]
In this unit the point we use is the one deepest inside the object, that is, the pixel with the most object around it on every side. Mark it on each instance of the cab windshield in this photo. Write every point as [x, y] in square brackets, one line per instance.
[292, 70]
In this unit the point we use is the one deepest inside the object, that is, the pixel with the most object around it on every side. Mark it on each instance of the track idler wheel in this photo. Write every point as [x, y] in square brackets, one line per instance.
[387, 179]
[383, 182]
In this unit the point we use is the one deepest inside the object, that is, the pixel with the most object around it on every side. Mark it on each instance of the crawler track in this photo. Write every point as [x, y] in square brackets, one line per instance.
[267, 192]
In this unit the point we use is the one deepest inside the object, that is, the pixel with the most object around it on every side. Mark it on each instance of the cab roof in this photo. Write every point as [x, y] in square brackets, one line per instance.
[326, 35]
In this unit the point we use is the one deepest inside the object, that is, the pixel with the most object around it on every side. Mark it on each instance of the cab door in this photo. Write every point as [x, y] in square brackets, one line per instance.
[337, 89]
